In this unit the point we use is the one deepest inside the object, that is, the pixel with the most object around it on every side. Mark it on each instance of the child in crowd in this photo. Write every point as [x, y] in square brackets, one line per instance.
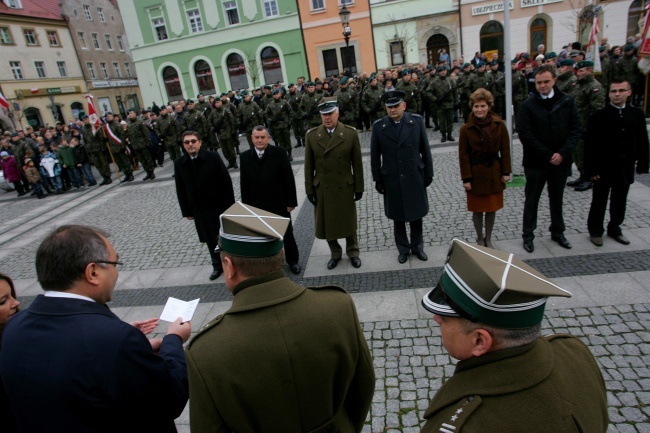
[69, 164]
[51, 168]
[34, 179]
[82, 161]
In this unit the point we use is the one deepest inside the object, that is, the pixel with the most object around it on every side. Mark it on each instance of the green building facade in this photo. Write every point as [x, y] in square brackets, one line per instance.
[182, 48]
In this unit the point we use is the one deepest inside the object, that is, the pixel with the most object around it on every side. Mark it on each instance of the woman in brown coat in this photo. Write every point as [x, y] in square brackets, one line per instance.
[484, 154]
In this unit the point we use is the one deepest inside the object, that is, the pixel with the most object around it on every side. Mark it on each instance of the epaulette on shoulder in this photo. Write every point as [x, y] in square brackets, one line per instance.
[416, 115]
[312, 129]
[381, 119]
[350, 127]
[339, 288]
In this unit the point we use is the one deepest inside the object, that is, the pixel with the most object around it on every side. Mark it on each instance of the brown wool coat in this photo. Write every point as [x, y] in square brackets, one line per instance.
[485, 179]
[334, 172]
[284, 358]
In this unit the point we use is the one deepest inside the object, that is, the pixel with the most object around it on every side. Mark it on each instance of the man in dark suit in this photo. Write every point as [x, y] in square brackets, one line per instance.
[70, 365]
[611, 168]
[204, 191]
[334, 181]
[402, 169]
[267, 182]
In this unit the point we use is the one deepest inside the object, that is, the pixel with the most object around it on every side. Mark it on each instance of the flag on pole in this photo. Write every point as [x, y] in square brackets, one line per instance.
[112, 135]
[593, 46]
[92, 115]
[3, 102]
[644, 49]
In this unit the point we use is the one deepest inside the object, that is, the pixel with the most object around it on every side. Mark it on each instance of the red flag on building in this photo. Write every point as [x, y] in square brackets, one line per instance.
[92, 115]
[3, 102]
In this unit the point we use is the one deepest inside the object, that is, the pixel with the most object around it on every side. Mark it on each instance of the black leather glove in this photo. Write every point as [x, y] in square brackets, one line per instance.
[380, 188]
[427, 181]
[312, 199]
[357, 196]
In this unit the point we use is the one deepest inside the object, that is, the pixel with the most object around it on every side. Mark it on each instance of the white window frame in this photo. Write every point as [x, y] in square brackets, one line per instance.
[100, 14]
[90, 67]
[272, 4]
[117, 70]
[314, 7]
[194, 21]
[56, 37]
[156, 23]
[127, 69]
[120, 42]
[103, 67]
[95, 39]
[346, 3]
[87, 13]
[39, 65]
[63, 69]
[6, 38]
[15, 4]
[82, 40]
[109, 42]
[228, 8]
[16, 70]
[32, 35]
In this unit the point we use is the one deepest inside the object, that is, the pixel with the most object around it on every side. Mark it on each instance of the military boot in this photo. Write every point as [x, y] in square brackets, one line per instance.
[129, 177]
[152, 176]
[148, 176]
[449, 137]
[444, 137]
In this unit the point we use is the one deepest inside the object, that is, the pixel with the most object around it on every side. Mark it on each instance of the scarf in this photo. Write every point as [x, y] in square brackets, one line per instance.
[486, 126]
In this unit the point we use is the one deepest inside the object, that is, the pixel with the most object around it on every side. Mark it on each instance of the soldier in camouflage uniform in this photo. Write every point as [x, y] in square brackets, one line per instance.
[117, 150]
[566, 80]
[320, 92]
[627, 69]
[412, 94]
[265, 101]
[170, 132]
[227, 103]
[590, 97]
[249, 115]
[203, 106]
[498, 88]
[348, 102]
[481, 79]
[423, 85]
[444, 93]
[138, 136]
[293, 97]
[278, 113]
[607, 75]
[95, 149]
[371, 100]
[195, 121]
[222, 123]
[519, 87]
[309, 106]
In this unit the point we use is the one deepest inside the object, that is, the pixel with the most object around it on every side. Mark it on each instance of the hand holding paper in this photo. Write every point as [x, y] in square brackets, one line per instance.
[176, 308]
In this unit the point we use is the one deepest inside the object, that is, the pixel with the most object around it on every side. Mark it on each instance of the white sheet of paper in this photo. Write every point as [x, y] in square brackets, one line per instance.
[176, 308]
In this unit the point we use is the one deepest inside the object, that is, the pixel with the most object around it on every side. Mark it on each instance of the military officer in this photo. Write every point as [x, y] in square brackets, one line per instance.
[249, 115]
[299, 361]
[169, 131]
[95, 147]
[566, 80]
[137, 135]
[550, 58]
[427, 110]
[371, 100]
[222, 123]
[117, 149]
[444, 95]
[626, 69]
[203, 106]
[194, 120]
[490, 306]
[348, 103]
[297, 123]
[266, 99]
[334, 181]
[412, 96]
[309, 106]
[607, 69]
[320, 92]
[402, 169]
[278, 114]
[498, 88]
[464, 92]
[590, 97]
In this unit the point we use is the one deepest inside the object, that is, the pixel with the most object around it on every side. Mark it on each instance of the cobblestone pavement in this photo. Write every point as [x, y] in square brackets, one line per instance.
[159, 246]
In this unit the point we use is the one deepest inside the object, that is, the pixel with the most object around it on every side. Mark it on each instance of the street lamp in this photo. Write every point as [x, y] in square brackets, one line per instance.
[345, 22]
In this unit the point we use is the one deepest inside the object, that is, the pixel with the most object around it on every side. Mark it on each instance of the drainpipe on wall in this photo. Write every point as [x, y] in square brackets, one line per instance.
[460, 28]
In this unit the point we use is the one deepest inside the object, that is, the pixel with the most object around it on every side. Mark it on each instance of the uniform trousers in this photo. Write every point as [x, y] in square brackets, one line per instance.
[173, 149]
[144, 155]
[555, 177]
[100, 162]
[619, 189]
[291, 254]
[351, 247]
[228, 148]
[446, 120]
[416, 245]
[282, 137]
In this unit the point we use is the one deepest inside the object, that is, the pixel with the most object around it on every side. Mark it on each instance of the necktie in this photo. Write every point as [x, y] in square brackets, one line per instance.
[260, 154]
[330, 132]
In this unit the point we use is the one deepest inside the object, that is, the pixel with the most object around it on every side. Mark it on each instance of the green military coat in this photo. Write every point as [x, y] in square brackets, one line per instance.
[567, 82]
[551, 385]
[334, 172]
[278, 114]
[443, 92]
[284, 358]
[92, 142]
[412, 95]
[168, 129]
[348, 105]
[590, 97]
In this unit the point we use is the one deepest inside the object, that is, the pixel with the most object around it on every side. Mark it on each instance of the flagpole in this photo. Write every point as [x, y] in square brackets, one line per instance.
[117, 170]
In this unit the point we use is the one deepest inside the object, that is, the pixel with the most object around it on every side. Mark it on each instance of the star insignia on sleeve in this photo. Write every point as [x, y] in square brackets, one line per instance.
[459, 411]
[454, 418]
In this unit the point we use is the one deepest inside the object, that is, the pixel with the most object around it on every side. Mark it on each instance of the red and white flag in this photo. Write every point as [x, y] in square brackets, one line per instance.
[592, 46]
[111, 135]
[3, 102]
[92, 115]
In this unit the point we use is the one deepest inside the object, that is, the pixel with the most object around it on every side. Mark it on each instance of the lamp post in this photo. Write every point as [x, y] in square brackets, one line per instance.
[345, 22]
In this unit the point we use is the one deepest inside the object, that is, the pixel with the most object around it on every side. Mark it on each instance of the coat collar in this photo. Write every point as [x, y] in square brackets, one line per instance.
[328, 143]
[386, 126]
[67, 306]
[263, 291]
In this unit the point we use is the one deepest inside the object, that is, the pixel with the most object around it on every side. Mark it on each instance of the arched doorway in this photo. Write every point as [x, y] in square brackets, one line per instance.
[33, 117]
[492, 38]
[236, 71]
[77, 109]
[538, 33]
[204, 79]
[634, 18]
[172, 84]
[271, 65]
[434, 46]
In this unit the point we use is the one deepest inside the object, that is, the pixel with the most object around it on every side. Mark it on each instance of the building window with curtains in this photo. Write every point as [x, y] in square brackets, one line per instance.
[537, 34]
[236, 71]
[159, 28]
[194, 17]
[331, 62]
[172, 84]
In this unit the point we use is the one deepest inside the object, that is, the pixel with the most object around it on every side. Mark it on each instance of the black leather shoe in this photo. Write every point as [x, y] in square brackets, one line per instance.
[402, 258]
[152, 176]
[620, 239]
[560, 239]
[575, 182]
[215, 274]
[108, 181]
[422, 256]
[444, 138]
[130, 178]
[147, 177]
[584, 186]
[332, 263]
[528, 245]
[295, 268]
[356, 262]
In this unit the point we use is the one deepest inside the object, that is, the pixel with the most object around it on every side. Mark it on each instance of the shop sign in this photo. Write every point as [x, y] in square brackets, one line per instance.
[530, 3]
[490, 8]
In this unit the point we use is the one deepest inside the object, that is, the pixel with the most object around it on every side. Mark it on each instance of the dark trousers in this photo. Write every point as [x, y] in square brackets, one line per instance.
[351, 247]
[416, 245]
[214, 256]
[555, 177]
[291, 254]
[595, 221]
[65, 177]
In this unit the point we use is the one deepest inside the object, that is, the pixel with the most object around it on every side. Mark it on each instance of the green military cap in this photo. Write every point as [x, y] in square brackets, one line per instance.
[267, 87]
[309, 84]
[276, 91]
[441, 68]
[629, 47]
[189, 101]
[602, 48]
[491, 287]
[551, 55]
[244, 92]
[247, 231]
[494, 63]
[574, 53]
[565, 62]
[585, 64]
[291, 85]
[328, 105]
[479, 64]
[466, 65]
[406, 72]
[343, 80]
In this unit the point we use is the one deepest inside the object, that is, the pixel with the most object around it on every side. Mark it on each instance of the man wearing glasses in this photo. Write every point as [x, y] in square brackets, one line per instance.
[204, 191]
[70, 364]
[615, 141]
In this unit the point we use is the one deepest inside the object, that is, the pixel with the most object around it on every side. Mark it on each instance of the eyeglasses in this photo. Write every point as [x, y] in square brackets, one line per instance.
[619, 90]
[118, 265]
[193, 141]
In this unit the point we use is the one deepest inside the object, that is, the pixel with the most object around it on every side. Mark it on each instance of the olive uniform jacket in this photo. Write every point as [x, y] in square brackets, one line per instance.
[550, 385]
[484, 169]
[334, 172]
[284, 358]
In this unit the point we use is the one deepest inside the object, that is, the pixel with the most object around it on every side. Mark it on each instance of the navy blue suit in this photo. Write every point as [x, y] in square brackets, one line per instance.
[71, 365]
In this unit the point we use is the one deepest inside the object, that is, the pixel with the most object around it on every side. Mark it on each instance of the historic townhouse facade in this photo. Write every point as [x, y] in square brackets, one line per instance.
[40, 74]
[182, 48]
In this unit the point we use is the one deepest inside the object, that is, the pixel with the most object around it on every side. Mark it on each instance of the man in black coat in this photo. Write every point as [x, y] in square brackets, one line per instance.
[549, 129]
[616, 140]
[402, 169]
[204, 191]
[267, 182]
